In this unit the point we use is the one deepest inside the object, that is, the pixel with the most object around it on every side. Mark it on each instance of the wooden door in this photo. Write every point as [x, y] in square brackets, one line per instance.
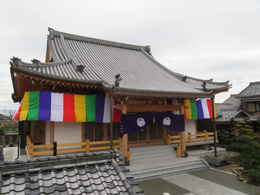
[38, 132]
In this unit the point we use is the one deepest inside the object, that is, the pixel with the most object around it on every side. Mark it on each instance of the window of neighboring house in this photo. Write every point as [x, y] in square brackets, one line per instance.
[251, 107]
[258, 107]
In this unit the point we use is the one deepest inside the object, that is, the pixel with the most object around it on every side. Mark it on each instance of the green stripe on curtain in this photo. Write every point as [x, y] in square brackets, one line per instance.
[194, 113]
[34, 105]
[91, 108]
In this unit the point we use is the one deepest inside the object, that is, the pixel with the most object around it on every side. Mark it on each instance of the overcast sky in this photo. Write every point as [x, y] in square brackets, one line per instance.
[217, 39]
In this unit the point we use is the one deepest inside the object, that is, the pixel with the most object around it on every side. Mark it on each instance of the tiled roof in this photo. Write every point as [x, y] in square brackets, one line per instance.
[103, 60]
[71, 174]
[232, 115]
[253, 89]
[230, 110]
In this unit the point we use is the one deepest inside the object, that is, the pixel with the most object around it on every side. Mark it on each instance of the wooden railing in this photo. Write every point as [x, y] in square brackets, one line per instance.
[189, 138]
[86, 146]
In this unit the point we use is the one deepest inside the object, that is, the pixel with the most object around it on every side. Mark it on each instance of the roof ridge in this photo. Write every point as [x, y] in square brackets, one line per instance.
[255, 82]
[54, 33]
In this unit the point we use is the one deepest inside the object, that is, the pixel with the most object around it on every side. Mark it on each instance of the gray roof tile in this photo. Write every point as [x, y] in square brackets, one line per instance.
[253, 89]
[104, 59]
[64, 175]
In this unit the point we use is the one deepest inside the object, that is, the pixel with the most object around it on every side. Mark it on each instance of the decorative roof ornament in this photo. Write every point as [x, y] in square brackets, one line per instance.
[118, 79]
[15, 60]
[184, 78]
[35, 61]
[148, 49]
[80, 68]
[204, 85]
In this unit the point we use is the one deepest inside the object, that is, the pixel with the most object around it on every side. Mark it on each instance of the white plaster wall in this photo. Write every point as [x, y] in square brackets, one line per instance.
[67, 132]
[191, 126]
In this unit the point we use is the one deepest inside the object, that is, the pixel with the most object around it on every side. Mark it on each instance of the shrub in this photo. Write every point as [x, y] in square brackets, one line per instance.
[248, 145]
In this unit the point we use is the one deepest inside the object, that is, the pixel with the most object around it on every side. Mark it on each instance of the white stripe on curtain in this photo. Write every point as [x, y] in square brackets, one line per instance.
[57, 107]
[205, 108]
[107, 112]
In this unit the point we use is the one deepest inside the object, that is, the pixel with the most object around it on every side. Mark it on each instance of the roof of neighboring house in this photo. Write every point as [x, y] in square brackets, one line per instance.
[229, 115]
[230, 110]
[4, 117]
[101, 60]
[253, 89]
[232, 103]
[70, 174]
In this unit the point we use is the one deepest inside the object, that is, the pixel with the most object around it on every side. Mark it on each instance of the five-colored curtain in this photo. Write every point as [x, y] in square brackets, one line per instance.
[198, 109]
[63, 107]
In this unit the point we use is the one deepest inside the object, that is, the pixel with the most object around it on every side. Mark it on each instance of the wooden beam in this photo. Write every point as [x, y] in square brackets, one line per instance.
[149, 108]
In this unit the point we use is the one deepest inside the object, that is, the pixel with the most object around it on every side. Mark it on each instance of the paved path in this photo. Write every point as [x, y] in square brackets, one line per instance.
[200, 186]
[205, 182]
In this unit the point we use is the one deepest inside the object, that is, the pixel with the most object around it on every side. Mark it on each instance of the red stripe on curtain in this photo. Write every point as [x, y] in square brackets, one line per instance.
[209, 103]
[69, 108]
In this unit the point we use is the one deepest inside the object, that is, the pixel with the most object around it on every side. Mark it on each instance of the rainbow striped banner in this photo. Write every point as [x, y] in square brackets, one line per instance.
[190, 110]
[63, 107]
[200, 109]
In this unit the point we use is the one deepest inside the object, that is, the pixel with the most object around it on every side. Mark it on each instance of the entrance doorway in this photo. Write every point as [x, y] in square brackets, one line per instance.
[151, 135]
[37, 132]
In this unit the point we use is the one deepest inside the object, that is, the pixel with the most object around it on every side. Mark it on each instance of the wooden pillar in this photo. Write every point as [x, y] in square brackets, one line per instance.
[189, 137]
[52, 126]
[83, 132]
[147, 136]
[125, 149]
[214, 126]
[124, 145]
[105, 131]
[165, 137]
[181, 148]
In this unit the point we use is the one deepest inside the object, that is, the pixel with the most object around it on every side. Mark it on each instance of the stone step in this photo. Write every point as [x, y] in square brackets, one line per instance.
[155, 161]
[145, 168]
[151, 153]
[148, 149]
[164, 172]
[159, 156]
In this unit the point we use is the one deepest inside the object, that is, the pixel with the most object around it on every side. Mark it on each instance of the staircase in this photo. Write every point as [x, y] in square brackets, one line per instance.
[153, 161]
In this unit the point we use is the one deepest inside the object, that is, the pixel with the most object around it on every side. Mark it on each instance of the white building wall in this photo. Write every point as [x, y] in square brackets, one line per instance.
[67, 132]
[191, 126]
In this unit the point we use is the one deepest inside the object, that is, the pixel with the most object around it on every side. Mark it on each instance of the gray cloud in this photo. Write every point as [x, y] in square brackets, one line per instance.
[207, 39]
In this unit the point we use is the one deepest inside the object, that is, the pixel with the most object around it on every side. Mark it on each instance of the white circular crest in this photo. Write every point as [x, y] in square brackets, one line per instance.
[167, 121]
[140, 122]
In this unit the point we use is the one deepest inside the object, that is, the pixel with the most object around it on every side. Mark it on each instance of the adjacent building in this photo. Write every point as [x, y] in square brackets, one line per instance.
[242, 106]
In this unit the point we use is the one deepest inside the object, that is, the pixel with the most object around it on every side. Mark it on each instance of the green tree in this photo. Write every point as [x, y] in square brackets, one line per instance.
[248, 145]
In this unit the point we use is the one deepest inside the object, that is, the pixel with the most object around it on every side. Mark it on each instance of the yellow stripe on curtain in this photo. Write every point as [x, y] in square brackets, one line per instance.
[216, 111]
[187, 109]
[25, 106]
[80, 108]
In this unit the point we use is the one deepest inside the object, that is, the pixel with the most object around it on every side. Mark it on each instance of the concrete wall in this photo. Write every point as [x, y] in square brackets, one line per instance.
[191, 126]
[67, 132]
